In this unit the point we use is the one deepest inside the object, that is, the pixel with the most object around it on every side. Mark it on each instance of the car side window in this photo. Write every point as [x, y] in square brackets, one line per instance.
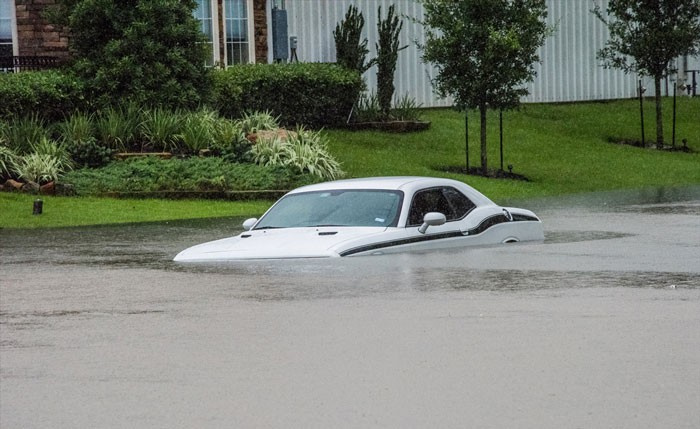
[448, 201]
[461, 205]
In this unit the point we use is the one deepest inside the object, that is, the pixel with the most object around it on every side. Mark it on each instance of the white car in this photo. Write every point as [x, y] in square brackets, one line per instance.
[372, 216]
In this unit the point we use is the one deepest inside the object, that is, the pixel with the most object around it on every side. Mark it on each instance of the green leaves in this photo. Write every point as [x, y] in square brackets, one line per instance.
[148, 51]
[351, 50]
[484, 50]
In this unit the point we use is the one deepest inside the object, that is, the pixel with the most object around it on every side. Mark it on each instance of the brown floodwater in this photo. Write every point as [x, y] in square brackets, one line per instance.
[598, 326]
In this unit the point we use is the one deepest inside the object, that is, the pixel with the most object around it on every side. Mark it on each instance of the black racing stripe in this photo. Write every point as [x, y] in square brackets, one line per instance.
[483, 226]
[401, 242]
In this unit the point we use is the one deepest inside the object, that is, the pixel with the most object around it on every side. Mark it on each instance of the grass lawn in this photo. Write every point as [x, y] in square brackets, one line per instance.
[561, 148]
[16, 210]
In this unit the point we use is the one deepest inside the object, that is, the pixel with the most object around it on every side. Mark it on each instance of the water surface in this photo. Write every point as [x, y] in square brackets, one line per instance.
[599, 326]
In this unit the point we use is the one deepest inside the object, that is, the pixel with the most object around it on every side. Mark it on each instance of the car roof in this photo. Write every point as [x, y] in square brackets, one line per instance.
[407, 184]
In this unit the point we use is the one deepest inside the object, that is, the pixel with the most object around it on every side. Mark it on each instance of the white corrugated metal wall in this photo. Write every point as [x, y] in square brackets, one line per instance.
[569, 70]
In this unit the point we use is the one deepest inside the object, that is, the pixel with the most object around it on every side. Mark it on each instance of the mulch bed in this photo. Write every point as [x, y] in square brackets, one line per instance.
[650, 145]
[477, 171]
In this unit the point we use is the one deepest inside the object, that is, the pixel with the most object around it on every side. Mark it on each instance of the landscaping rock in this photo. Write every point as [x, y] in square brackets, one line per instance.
[48, 188]
[13, 185]
[30, 187]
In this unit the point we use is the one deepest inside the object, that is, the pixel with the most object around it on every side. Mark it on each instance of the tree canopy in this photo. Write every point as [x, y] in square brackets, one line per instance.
[484, 51]
[149, 51]
[646, 36]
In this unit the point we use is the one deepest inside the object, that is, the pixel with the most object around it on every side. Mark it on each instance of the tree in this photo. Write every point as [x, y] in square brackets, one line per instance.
[147, 51]
[387, 55]
[484, 51]
[646, 36]
[350, 49]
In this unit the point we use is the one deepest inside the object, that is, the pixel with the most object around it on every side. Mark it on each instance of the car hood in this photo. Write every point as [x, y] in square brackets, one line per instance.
[316, 242]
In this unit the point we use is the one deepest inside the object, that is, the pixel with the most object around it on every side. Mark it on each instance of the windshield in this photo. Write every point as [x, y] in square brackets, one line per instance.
[335, 208]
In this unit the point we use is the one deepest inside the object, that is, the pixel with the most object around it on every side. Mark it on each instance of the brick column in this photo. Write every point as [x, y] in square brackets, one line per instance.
[260, 30]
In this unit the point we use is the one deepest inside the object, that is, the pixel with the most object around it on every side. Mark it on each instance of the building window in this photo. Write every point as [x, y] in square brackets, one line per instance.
[7, 17]
[237, 29]
[207, 21]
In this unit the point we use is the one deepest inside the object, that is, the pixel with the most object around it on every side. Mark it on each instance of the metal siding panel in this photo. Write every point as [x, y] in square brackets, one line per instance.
[569, 70]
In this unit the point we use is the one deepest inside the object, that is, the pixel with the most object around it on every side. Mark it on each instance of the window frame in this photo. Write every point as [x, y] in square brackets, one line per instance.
[442, 191]
[13, 29]
[214, 7]
[250, 33]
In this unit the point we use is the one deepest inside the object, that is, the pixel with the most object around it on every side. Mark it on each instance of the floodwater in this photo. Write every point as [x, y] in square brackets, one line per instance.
[599, 326]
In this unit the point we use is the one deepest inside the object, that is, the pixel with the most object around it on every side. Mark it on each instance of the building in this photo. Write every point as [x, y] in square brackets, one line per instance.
[241, 31]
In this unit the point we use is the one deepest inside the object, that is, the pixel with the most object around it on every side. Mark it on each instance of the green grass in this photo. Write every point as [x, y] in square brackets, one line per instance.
[16, 210]
[562, 149]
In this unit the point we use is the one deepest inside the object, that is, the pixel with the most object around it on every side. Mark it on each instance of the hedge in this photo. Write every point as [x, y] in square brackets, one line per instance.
[50, 94]
[310, 94]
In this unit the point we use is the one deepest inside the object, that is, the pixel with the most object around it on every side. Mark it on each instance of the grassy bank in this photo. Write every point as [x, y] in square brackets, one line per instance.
[16, 210]
[561, 149]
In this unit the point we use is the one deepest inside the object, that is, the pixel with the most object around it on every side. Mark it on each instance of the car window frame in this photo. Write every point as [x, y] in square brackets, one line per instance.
[442, 191]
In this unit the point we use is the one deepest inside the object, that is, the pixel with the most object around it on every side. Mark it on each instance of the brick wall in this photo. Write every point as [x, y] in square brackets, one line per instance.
[35, 36]
[260, 30]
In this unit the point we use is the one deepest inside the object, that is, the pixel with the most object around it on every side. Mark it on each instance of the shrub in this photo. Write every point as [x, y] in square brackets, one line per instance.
[387, 55]
[191, 174]
[47, 162]
[77, 127]
[150, 52]
[350, 52]
[22, 132]
[368, 109]
[8, 160]
[258, 121]
[229, 141]
[89, 153]
[161, 128]
[314, 95]
[118, 127]
[49, 95]
[406, 109]
[197, 130]
[304, 151]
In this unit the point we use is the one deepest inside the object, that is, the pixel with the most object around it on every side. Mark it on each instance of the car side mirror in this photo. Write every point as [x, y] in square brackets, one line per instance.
[249, 223]
[432, 219]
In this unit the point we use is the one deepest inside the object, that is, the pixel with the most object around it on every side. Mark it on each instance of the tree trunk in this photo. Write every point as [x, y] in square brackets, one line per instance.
[659, 116]
[482, 112]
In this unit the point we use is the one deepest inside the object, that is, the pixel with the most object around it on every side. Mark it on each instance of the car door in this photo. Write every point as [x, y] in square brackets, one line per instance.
[446, 200]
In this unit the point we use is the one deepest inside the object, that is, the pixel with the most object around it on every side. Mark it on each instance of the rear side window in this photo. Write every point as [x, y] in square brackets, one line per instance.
[448, 201]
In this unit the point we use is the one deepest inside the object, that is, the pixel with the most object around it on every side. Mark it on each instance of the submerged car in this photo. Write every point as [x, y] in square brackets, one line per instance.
[372, 216]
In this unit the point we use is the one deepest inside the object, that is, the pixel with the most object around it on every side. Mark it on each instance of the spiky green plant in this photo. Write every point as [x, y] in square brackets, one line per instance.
[258, 121]
[118, 128]
[230, 141]
[54, 150]
[367, 108]
[161, 129]
[38, 168]
[406, 109]
[198, 130]
[78, 127]
[304, 151]
[21, 133]
[8, 159]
